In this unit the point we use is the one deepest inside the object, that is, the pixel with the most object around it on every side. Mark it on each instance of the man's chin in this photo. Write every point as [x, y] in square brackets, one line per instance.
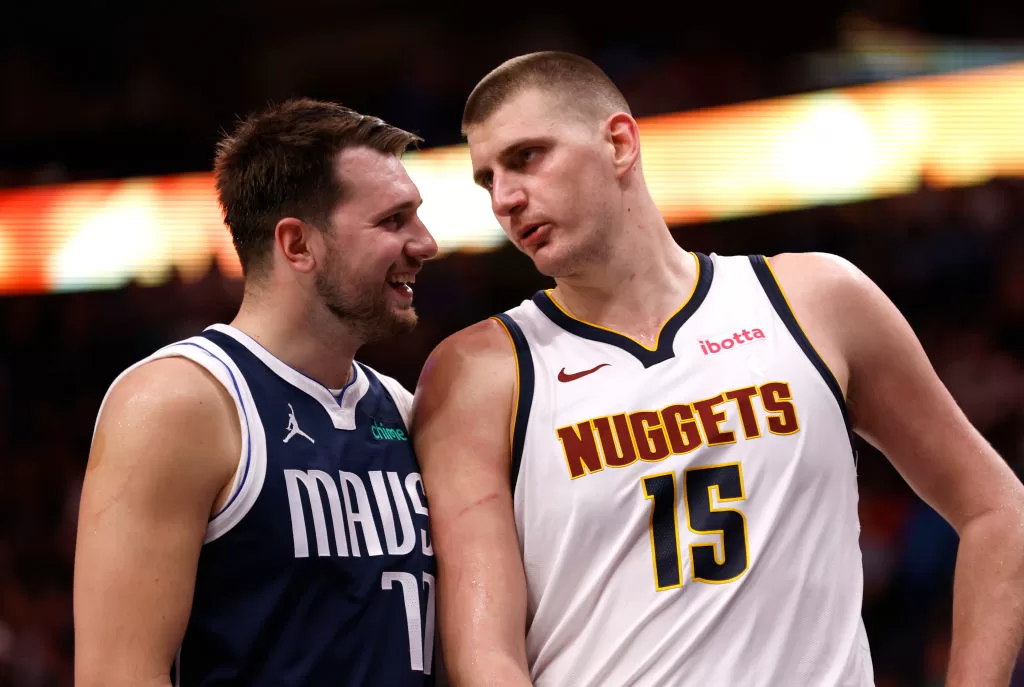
[406, 321]
[396, 322]
[551, 265]
[561, 261]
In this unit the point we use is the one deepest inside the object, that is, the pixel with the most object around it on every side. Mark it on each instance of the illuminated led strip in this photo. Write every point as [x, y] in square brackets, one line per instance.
[752, 158]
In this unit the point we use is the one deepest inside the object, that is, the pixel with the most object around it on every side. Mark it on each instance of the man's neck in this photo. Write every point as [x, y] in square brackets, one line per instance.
[635, 291]
[314, 343]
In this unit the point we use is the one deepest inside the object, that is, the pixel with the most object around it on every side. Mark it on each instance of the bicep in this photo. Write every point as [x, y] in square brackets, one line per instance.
[475, 540]
[156, 467]
[461, 433]
[898, 403]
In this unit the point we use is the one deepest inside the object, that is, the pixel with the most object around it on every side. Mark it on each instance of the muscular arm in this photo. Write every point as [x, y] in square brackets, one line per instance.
[898, 403]
[166, 444]
[461, 420]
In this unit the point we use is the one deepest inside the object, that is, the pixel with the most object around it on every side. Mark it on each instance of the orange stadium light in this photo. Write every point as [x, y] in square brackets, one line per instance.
[752, 158]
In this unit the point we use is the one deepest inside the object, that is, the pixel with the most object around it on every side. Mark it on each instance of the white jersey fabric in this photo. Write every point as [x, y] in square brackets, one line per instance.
[687, 514]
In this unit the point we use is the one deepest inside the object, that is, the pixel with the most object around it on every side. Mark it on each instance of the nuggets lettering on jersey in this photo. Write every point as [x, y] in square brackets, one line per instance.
[319, 569]
[653, 435]
[687, 513]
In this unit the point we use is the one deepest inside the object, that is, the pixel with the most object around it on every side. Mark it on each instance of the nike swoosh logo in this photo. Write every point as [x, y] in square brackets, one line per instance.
[563, 377]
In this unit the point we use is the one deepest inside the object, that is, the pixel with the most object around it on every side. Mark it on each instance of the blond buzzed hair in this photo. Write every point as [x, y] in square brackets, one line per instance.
[578, 82]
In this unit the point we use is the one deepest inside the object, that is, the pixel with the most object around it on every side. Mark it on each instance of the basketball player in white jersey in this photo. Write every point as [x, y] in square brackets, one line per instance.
[644, 476]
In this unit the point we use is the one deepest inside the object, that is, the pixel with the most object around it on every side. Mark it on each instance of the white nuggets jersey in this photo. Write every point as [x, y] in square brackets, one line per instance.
[687, 514]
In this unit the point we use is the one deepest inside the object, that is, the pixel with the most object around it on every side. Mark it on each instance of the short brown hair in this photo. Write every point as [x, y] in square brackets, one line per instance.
[580, 82]
[280, 163]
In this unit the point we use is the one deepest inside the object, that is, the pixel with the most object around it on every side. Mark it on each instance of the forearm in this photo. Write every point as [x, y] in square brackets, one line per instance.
[483, 633]
[988, 601]
[486, 666]
[111, 676]
[104, 659]
[106, 681]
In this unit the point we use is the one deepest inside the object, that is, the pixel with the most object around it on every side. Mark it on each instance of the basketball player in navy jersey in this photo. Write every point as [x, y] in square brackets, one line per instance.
[682, 508]
[252, 512]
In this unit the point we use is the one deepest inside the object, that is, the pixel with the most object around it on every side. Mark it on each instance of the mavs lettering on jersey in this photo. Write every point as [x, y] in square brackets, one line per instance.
[357, 514]
[319, 569]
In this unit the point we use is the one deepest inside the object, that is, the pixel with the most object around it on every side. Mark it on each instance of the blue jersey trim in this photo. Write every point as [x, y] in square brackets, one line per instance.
[778, 300]
[245, 418]
[524, 401]
[355, 376]
[666, 337]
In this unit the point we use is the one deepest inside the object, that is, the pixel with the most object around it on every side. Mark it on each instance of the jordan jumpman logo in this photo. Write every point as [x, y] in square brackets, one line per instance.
[293, 427]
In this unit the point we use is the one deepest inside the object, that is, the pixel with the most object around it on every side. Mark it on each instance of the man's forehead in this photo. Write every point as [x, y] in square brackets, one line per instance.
[527, 101]
[529, 115]
[375, 178]
[356, 162]
[505, 129]
[361, 165]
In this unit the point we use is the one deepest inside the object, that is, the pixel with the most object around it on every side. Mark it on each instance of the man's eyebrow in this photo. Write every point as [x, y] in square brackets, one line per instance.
[404, 206]
[480, 174]
[507, 152]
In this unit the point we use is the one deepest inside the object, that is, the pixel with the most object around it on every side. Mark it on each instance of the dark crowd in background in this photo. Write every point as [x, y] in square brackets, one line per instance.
[148, 89]
[149, 93]
[949, 259]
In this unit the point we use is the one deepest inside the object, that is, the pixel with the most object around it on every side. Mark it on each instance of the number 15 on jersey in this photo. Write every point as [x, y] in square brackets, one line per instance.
[703, 487]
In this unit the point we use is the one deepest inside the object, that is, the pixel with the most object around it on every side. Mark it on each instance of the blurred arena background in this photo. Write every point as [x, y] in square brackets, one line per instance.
[890, 133]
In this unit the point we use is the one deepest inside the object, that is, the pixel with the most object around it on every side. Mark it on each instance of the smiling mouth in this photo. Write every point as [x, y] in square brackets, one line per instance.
[402, 284]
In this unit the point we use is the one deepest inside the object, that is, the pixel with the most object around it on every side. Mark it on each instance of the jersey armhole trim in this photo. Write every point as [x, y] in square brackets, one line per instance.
[778, 299]
[245, 459]
[252, 468]
[400, 396]
[524, 393]
[250, 471]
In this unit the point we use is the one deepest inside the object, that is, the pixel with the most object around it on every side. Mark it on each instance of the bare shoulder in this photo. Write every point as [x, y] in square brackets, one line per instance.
[480, 349]
[826, 274]
[168, 409]
[831, 299]
[846, 310]
[487, 338]
[470, 374]
[164, 391]
[829, 287]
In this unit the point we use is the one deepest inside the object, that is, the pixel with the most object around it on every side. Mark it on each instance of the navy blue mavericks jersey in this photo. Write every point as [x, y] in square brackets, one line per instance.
[319, 569]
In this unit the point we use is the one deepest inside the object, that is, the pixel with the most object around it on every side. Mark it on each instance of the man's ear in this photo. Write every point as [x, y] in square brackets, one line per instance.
[296, 242]
[624, 135]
